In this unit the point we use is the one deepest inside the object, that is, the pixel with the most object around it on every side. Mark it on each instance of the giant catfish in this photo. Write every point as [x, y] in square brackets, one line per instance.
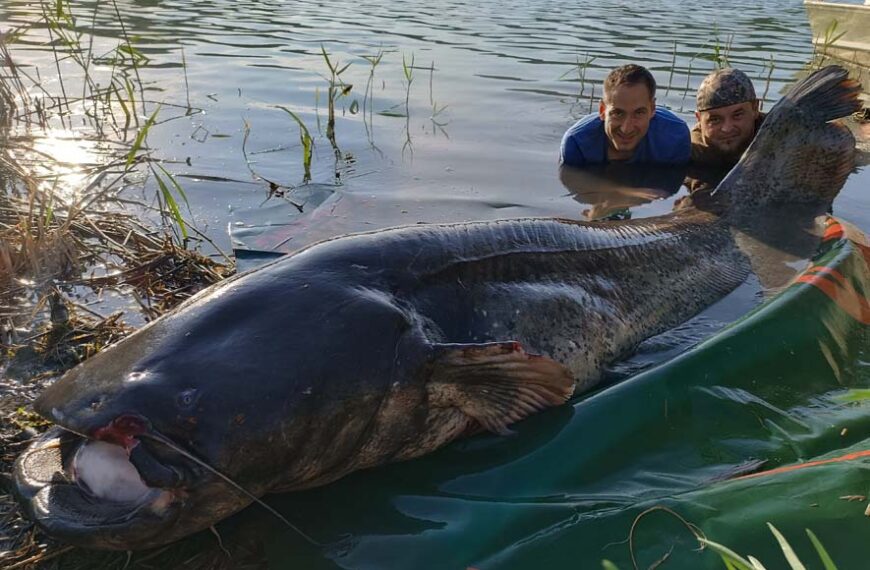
[384, 346]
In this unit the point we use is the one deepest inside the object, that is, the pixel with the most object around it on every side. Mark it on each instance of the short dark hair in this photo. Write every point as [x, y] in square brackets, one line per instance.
[630, 74]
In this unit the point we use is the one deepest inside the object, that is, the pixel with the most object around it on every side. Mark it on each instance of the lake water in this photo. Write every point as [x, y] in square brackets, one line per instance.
[493, 87]
[474, 134]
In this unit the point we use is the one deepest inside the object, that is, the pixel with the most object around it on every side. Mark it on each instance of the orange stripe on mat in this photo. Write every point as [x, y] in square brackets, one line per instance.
[848, 457]
[822, 270]
[843, 294]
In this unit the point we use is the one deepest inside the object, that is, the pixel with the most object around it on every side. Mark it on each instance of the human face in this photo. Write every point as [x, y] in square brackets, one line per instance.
[626, 113]
[729, 129]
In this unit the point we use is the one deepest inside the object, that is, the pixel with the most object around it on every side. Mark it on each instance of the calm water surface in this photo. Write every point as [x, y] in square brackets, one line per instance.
[493, 87]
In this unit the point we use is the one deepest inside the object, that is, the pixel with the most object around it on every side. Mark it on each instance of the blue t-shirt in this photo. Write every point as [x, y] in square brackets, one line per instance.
[666, 142]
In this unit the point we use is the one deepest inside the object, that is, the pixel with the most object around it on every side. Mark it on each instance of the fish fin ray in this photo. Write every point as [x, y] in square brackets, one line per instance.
[797, 156]
[497, 383]
[827, 94]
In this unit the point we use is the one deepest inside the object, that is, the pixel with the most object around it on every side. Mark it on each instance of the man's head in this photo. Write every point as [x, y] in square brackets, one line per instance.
[627, 107]
[727, 110]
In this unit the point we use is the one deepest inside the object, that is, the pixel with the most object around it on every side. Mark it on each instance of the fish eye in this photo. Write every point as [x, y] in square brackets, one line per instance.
[187, 398]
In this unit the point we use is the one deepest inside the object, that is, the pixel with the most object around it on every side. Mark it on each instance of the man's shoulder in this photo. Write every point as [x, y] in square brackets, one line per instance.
[590, 125]
[667, 139]
[667, 121]
[584, 142]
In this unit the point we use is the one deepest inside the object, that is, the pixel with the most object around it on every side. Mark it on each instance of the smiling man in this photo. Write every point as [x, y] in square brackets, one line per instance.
[628, 126]
[728, 118]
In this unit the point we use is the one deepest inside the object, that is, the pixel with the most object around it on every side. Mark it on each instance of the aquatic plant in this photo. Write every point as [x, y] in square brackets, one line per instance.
[673, 65]
[580, 68]
[825, 41]
[769, 65]
[336, 88]
[368, 96]
[59, 241]
[408, 71]
[437, 124]
[305, 140]
[730, 558]
[720, 52]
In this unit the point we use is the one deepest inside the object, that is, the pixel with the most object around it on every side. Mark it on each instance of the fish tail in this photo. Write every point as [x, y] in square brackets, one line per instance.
[797, 155]
[827, 94]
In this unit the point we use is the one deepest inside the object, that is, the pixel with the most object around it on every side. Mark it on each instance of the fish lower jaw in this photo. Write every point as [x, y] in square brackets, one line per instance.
[77, 487]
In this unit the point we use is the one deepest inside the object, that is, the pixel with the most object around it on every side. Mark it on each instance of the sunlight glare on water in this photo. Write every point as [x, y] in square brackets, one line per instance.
[61, 162]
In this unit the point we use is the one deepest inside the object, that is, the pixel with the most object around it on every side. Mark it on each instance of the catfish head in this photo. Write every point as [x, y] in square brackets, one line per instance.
[268, 381]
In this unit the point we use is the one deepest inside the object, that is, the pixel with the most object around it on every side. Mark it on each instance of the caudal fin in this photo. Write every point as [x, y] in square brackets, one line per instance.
[827, 94]
[797, 157]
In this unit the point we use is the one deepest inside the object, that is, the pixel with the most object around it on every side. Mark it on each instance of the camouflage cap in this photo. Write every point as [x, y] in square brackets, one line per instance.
[724, 87]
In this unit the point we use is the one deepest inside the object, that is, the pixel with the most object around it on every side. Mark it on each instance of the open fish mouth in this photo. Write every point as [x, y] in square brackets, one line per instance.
[95, 493]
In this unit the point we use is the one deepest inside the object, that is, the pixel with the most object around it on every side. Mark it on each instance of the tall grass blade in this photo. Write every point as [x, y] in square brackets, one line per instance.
[140, 138]
[827, 561]
[305, 139]
[787, 550]
[728, 555]
[178, 189]
[170, 202]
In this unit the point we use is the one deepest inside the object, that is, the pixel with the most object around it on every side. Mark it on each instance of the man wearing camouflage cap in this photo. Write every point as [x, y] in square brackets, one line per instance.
[728, 118]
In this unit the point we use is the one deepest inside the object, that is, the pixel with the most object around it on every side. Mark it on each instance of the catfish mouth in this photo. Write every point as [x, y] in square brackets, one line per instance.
[96, 493]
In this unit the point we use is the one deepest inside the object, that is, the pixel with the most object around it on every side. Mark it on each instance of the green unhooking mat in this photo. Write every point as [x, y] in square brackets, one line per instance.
[768, 421]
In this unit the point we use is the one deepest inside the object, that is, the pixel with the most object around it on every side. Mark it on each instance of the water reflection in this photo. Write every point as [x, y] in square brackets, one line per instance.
[611, 190]
[64, 162]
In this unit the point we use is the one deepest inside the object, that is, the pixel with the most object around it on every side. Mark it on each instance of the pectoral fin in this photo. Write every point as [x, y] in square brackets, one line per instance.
[497, 383]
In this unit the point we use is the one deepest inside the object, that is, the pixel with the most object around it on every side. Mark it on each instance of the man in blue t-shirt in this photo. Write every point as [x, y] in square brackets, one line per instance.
[628, 126]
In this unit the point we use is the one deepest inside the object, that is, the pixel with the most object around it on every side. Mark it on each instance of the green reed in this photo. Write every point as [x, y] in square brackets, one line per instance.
[337, 88]
[720, 52]
[408, 72]
[580, 68]
[107, 101]
[673, 65]
[824, 42]
[769, 65]
[369, 94]
[438, 125]
[167, 202]
[305, 140]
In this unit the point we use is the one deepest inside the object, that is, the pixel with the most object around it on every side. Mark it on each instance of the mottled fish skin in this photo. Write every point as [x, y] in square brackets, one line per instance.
[379, 347]
[581, 293]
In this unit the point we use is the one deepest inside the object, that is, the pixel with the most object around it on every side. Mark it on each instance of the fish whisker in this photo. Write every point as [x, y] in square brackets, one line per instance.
[156, 436]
